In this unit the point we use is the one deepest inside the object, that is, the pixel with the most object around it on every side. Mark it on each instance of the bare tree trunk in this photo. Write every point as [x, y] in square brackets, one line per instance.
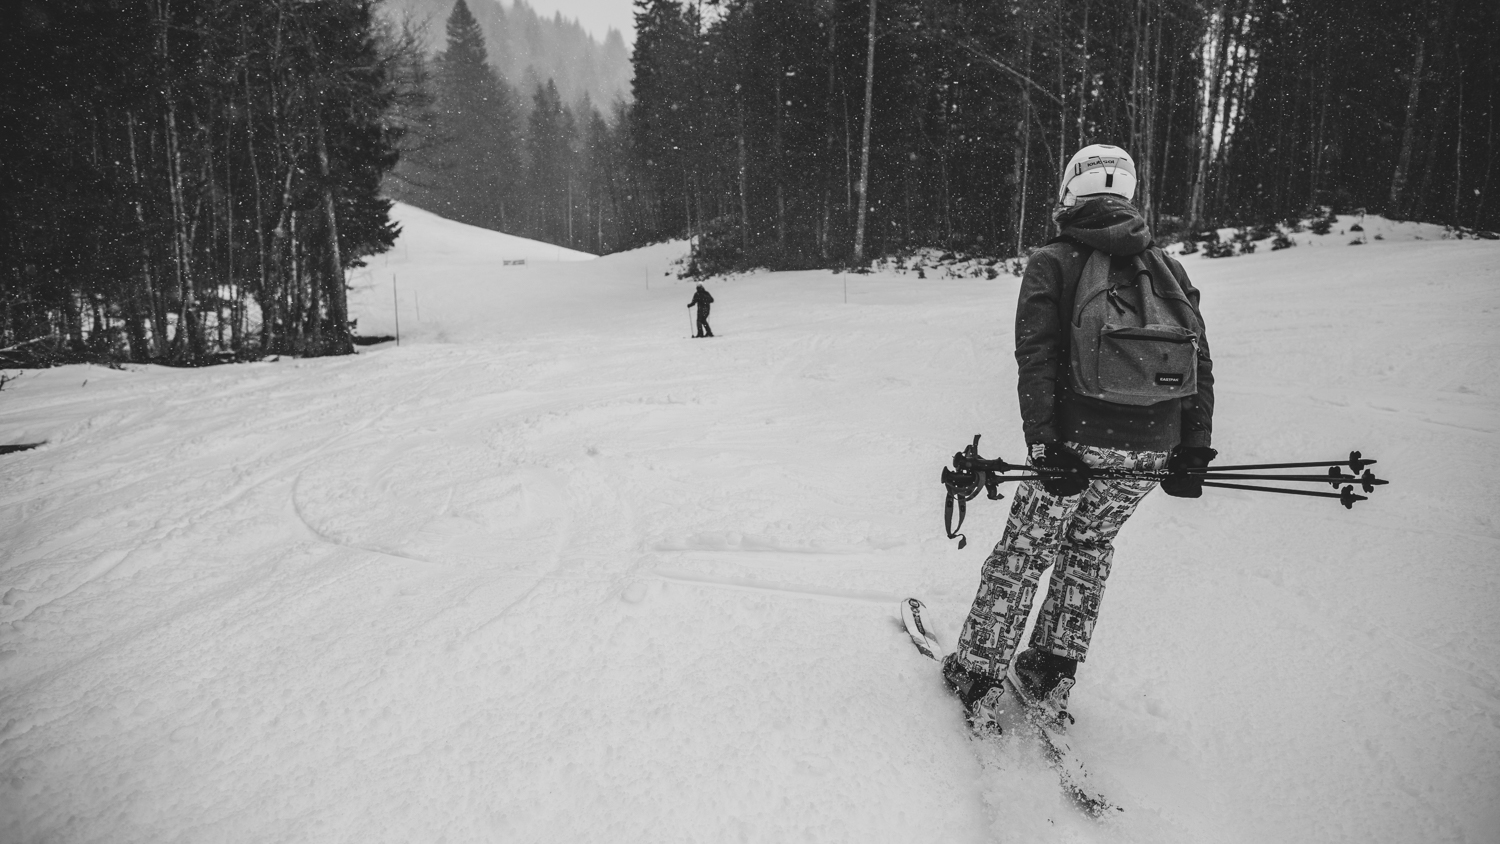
[1146, 181]
[233, 280]
[1023, 152]
[185, 344]
[1062, 112]
[744, 173]
[778, 157]
[848, 162]
[337, 339]
[1133, 104]
[687, 203]
[147, 295]
[1166, 145]
[72, 323]
[947, 196]
[828, 142]
[1083, 80]
[297, 291]
[183, 347]
[1419, 202]
[864, 155]
[1458, 151]
[1325, 94]
[313, 281]
[283, 243]
[906, 227]
[214, 271]
[1403, 160]
[260, 218]
[1208, 115]
[1234, 96]
[1062, 109]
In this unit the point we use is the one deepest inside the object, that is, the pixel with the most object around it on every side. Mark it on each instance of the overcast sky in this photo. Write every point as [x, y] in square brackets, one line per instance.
[597, 16]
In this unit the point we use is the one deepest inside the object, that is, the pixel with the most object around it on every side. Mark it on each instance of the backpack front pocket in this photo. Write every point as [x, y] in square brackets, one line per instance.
[1147, 364]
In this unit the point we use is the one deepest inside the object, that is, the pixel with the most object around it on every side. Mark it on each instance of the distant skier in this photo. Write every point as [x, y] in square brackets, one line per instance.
[702, 299]
[1104, 260]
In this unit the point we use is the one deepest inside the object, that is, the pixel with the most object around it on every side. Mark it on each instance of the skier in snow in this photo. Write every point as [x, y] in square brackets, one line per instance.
[702, 299]
[1067, 521]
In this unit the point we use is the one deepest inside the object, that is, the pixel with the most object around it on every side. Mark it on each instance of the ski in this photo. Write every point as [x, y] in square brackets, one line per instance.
[1072, 776]
[1071, 773]
[911, 617]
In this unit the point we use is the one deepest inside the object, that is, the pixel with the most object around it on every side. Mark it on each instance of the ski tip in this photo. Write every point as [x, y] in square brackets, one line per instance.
[911, 619]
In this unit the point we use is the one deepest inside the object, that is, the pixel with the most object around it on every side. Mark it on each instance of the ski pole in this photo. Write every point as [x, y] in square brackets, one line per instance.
[1226, 476]
[1002, 466]
[1355, 462]
[969, 459]
[1347, 497]
[1333, 478]
[1368, 480]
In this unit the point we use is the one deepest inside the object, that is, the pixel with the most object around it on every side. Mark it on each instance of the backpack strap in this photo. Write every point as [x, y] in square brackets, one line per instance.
[1067, 298]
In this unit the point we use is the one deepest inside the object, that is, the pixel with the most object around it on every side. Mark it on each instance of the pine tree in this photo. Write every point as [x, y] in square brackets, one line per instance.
[475, 159]
[667, 119]
[548, 153]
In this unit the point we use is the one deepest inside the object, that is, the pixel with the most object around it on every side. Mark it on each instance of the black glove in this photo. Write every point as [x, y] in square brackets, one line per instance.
[1179, 482]
[1063, 470]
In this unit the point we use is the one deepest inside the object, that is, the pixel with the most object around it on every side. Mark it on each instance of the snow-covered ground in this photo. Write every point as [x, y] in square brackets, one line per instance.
[551, 571]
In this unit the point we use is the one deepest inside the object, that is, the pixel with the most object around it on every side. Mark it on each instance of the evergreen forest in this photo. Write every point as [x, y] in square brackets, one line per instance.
[190, 181]
[807, 132]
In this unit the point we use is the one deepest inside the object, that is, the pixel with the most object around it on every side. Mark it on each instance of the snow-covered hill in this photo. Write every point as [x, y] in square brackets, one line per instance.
[551, 571]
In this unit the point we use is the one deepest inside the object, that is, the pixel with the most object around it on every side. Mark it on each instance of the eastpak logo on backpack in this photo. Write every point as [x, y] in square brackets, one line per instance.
[1134, 341]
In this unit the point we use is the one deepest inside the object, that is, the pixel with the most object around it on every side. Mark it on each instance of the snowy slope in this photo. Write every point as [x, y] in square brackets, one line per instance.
[550, 571]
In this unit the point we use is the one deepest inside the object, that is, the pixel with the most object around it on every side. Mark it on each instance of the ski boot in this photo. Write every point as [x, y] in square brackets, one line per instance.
[983, 697]
[1042, 681]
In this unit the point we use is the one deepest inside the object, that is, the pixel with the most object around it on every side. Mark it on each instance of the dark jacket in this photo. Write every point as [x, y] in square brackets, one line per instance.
[1050, 411]
[702, 299]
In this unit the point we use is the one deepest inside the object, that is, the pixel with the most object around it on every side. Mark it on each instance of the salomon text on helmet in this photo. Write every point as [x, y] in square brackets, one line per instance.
[1097, 168]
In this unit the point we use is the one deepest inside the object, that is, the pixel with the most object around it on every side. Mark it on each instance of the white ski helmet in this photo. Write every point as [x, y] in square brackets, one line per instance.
[1097, 168]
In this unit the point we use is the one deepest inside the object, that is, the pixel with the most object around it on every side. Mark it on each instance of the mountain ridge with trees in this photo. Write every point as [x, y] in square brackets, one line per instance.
[802, 133]
[527, 48]
[526, 161]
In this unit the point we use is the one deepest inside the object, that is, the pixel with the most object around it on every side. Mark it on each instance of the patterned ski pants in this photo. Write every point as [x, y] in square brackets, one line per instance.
[1077, 533]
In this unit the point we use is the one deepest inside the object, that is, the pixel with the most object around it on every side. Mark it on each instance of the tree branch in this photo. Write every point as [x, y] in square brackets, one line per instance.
[968, 46]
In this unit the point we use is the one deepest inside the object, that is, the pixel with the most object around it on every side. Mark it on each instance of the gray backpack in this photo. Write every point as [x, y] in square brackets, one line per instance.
[1134, 343]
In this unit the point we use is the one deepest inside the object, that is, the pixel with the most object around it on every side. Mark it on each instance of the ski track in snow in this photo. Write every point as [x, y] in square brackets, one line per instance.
[550, 571]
